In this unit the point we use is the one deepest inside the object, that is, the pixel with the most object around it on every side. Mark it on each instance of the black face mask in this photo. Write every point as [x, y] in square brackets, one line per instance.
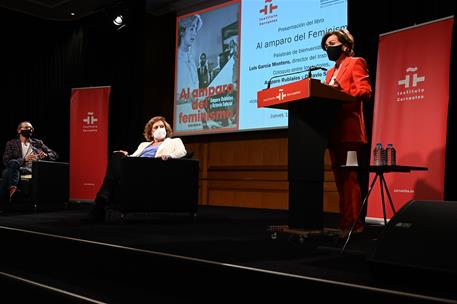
[334, 52]
[26, 133]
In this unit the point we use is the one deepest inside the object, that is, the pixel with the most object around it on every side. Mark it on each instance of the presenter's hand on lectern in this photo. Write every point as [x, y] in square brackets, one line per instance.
[336, 85]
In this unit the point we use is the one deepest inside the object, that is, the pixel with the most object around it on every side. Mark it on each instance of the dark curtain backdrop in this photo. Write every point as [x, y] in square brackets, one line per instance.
[42, 60]
[159, 65]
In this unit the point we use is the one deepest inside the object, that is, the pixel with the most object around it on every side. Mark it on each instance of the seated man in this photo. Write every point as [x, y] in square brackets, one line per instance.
[158, 144]
[18, 156]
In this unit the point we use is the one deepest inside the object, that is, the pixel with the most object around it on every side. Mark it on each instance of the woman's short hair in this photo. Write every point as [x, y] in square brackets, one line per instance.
[151, 122]
[187, 22]
[344, 37]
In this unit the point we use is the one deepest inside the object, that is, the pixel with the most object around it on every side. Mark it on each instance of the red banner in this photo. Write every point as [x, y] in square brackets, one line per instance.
[410, 112]
[88, 141]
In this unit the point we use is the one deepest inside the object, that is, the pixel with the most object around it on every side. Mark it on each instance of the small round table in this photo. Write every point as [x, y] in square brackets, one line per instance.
[379, 171]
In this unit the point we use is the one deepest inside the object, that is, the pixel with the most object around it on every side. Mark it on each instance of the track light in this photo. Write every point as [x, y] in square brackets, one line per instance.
[117, 14]
[119, 20]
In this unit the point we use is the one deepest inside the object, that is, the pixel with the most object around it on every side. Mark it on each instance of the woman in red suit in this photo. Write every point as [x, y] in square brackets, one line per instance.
[349, 75]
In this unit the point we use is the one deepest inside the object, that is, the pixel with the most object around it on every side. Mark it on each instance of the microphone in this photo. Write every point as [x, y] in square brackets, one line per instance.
[309, 70]
[314, 68]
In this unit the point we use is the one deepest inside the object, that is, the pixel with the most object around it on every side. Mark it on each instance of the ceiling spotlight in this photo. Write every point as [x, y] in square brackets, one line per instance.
[119, 20]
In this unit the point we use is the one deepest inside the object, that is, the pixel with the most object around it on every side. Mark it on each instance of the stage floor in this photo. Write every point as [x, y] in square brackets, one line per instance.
[235, 237]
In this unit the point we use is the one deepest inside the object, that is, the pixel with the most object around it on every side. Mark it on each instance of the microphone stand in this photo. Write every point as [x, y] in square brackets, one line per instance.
[309, 73]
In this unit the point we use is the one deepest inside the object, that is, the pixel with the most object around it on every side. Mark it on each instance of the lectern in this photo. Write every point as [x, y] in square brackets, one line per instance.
[312, 109]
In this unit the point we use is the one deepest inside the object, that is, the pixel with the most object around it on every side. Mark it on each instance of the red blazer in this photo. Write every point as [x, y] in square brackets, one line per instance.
[353, 79]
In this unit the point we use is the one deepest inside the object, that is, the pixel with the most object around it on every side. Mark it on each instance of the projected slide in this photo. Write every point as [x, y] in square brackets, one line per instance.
[226, 53]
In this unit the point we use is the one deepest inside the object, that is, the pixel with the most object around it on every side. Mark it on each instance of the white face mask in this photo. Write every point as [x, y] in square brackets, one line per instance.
[160, 133]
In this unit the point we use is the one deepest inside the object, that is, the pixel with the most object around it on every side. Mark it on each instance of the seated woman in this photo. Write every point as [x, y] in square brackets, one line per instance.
[158, 144]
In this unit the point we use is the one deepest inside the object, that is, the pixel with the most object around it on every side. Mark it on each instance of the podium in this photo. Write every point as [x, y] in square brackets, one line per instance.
[312, 109]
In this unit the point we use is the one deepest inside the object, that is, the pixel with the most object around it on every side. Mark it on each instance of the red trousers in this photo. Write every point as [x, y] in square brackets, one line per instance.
[348, 185]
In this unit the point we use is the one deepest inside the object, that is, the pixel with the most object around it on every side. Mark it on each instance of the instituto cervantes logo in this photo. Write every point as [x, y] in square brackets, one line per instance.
[269, 7]
[267, 13]
[90, 123]
[281, 95]
[410, 87]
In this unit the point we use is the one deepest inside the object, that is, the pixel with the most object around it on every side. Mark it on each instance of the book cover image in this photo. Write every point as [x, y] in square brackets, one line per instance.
[207, 61]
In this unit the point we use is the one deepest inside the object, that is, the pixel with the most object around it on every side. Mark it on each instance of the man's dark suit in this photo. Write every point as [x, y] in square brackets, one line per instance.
[13, 161]
[203, 76]
[13, 150]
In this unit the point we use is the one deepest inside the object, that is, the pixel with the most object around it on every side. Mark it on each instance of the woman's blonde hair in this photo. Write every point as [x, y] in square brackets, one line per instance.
[151, 122]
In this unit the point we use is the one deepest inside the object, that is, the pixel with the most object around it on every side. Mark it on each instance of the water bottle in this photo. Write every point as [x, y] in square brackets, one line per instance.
[394, 157]
[377, 155]
[391, 155]
[383, 157]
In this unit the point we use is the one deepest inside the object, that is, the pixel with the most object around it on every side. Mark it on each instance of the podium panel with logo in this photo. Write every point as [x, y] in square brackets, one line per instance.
[312, 111]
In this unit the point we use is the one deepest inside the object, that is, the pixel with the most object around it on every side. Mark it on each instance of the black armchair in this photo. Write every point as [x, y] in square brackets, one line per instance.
[45, 189]
[155, 185]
